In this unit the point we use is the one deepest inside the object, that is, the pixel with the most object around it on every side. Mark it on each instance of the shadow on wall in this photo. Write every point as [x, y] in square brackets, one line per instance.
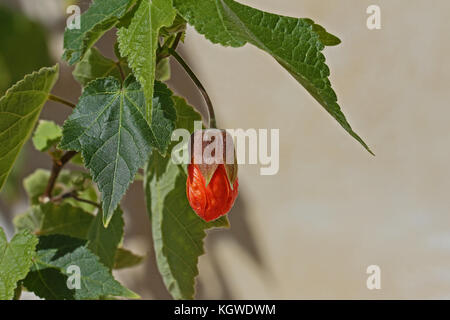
[241, 233]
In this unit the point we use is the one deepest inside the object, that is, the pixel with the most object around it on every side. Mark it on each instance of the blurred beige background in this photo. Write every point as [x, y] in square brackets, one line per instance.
[332, 210]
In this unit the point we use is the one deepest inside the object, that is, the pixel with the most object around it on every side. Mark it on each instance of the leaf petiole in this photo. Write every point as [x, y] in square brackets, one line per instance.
[177, 40]
[61, 100]
[73, 195]
[122, 74]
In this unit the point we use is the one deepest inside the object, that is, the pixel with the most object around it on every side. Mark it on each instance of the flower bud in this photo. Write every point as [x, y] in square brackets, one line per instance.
[212, 184]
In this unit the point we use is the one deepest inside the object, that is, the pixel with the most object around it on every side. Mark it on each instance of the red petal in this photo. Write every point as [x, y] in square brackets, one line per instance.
[212, 201]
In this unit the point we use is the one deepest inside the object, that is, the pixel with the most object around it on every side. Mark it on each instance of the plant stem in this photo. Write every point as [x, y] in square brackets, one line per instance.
[122, 74]
[177, 40]
[212, 116]
[163, 51]
[17, 292]
[92, 203]
[73, 195]
[61, 100]
[56, 169]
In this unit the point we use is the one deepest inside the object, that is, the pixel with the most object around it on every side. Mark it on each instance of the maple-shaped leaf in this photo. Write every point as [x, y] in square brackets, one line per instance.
[109, 127]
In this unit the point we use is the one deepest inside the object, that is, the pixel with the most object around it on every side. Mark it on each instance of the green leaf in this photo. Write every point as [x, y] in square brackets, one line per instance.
[65, 219]
[326, 38]
[19, 37]
[11, 191]
[50, 218]
[15, 261]
[36, 183]
[178, 232]
[163, 70]
[30, 220]
[101, 16]
[295, 43]
[103, 242]
[126, 20]
[139, 42]
[5, 79]
[178, 25]
[164, 116]
[126, 259]
[77, 160]
[108, 126]
[49, 273]
[186, 115]
[47, 135]
[94, 65]
[19, 110]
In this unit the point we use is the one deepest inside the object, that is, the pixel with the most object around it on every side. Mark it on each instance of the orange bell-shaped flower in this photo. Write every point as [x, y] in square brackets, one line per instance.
[213, 200]
[212, 187]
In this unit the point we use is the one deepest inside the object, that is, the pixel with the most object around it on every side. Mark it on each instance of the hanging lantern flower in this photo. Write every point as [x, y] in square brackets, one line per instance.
[212, 184]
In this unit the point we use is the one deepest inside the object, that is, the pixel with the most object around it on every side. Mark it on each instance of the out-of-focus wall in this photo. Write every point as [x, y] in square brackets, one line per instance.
[333, 209]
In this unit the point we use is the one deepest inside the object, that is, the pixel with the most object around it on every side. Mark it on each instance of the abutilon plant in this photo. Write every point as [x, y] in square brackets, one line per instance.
[123, 122]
